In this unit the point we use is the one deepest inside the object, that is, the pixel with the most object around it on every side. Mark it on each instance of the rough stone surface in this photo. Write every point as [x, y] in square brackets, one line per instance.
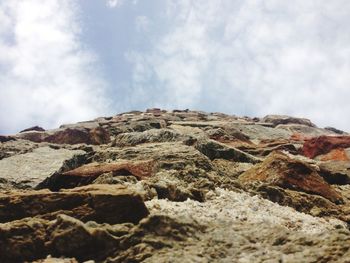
[101, 203]
[280, 170]
[176, 186]
[283, 119]
[325, 144]
[28, 170]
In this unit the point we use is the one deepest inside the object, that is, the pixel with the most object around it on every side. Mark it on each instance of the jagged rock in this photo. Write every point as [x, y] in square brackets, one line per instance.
[335, 155]
[75, 136]
[34, 128]
[88, 173]
[280, 170]
[169, 155]
[28, 170]
[34, 238]
[264, 148]
[284, 119]
[216, 150]
[14, 147]
[332, 129]
[336, 172]
[101, 203]
[153, 234]
[207, 187]
[303, 131]
[150, 136]
[4, 138]
[324, 144]
[68, 136]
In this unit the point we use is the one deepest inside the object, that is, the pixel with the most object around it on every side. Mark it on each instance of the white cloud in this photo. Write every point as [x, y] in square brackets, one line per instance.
[114, 3]
[47, 76]
[142, 23]
[250, 57]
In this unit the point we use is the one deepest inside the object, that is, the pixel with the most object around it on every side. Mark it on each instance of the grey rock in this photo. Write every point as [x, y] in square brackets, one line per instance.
[28, 170]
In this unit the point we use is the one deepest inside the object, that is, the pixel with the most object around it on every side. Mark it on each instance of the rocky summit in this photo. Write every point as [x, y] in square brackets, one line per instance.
[176, 186]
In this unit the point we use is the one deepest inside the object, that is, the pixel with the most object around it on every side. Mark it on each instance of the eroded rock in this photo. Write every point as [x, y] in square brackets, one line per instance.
[101, 203]
[28, 170]
[280, 170]
[324, 144]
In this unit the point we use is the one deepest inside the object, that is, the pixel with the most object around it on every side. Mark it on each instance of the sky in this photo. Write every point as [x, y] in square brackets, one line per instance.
[63, 61]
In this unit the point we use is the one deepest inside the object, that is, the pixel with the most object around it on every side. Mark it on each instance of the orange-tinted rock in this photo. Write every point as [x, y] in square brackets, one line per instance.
[335, 155]
[299, 137]
[139, 169]
[86, 174]
[324, 144]
[280, 170]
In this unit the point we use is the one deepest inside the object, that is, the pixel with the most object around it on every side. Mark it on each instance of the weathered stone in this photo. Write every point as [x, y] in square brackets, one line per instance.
[86, 174]
[149, 136]
[101, 203]
[335, 172]
[34, 136]
[216, 150]
[324, 144]
[206, 179]
[75, 136]
[337, 131]
[33, 238]
[280, 170]
[169, 155]
[28, 170]
[334, 155]
[284, 119]
[4, 138]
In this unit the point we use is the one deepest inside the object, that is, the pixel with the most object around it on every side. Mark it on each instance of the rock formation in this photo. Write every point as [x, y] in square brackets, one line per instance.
[176, 186]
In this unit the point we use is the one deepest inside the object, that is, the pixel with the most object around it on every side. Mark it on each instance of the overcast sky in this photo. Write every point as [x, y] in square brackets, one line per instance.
[64, 61]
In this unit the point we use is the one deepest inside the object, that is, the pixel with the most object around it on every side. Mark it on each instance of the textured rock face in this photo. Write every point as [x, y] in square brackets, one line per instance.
[100, 203]
[175, 186]
[29, 169]
[325, 144]
[283, 119]
[280, 170]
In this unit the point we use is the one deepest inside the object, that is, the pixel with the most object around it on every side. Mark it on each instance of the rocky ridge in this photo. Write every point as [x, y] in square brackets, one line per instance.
[176, 186]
